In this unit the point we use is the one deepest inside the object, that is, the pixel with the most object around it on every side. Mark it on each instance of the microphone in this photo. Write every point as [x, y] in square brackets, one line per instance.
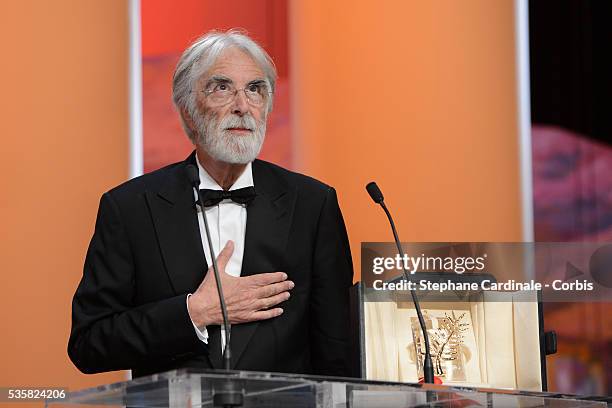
[375, 193]
[377, 197]
[194, 180]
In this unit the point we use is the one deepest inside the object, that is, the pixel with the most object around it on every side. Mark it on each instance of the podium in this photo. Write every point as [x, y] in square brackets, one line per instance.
[197, 388]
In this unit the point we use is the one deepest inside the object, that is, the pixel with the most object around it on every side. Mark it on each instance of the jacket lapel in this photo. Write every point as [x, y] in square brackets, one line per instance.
[175, 221]
[176, 225]
[268, 221]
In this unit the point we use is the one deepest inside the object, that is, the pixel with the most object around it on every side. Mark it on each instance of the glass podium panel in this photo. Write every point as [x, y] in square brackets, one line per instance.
[197, 388]
[396, 396]
[185, 388]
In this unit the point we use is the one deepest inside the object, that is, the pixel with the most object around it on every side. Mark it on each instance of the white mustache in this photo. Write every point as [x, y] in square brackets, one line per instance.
[235, 121]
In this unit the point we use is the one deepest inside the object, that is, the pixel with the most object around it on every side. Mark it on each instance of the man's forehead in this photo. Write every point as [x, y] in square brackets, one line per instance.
[235, 65]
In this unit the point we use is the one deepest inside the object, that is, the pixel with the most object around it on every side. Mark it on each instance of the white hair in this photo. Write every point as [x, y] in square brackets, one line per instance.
[201, 55]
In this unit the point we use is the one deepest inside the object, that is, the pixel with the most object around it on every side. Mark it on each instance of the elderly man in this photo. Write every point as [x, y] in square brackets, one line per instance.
[147, 299]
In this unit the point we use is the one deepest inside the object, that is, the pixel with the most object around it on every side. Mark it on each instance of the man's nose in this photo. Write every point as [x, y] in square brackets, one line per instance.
[240, 105]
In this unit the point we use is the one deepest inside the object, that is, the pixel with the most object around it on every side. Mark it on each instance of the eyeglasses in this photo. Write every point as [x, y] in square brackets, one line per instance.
[222, 93]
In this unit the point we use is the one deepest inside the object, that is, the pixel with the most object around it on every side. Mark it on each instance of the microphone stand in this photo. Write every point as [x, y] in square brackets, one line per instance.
[428, 372]
[228, 395]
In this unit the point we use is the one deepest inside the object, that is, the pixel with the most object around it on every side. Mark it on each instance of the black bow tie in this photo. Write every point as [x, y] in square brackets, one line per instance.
[241, 196]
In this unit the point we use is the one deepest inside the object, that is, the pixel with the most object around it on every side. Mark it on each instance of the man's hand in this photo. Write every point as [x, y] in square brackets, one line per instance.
[247, 298]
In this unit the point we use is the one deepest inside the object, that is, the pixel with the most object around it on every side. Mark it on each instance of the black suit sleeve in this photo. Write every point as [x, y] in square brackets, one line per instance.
[332, 279]
[110, 332]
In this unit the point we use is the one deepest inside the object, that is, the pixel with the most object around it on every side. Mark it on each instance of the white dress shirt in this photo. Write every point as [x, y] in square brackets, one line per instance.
[226, 221]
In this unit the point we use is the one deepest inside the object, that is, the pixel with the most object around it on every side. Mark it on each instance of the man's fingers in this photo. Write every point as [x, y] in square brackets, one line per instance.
[274, 289]
[272, 301]
[225, 255]
[266, 314]
[263, 279]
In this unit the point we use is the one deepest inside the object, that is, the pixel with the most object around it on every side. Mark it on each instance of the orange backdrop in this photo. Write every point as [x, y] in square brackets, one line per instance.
[64, 134]
[419, 96]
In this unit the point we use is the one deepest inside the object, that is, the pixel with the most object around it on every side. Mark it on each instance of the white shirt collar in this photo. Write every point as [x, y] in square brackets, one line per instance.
[244, 180]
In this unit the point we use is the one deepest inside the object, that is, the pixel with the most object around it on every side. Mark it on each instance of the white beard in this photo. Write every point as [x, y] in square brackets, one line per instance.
[228, 148]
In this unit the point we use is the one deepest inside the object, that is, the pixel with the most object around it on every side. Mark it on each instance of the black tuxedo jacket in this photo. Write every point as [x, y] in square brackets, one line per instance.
[129, 310]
